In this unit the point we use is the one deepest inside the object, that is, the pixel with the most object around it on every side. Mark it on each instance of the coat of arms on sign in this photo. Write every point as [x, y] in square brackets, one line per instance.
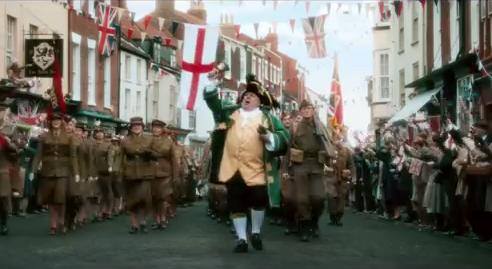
[44, 55]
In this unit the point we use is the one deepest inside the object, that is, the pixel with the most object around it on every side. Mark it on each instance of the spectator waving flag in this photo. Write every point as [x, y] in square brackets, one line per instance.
[314, 30]
[107, 32]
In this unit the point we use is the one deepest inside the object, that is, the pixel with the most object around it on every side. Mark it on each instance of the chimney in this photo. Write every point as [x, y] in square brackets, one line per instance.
[197, 9]
[121, 4]
[272, 39]
[227, 27]
[164, 7]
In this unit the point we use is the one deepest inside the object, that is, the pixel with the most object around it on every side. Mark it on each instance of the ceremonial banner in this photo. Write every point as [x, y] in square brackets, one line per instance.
[314, 30]
[40, 56]
[200, 46]
[336, 99]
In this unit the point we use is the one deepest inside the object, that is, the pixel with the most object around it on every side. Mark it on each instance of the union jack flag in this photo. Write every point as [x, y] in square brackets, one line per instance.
[314, 30]
[107, 33]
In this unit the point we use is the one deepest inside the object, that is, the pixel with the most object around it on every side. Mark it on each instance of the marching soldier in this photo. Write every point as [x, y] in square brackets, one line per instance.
[56, 159]
[115, 162]
[307, 172]
[337, 184]
[137, 174]
[86, 160]
[74, 190]
[163, 152]
[287, 186]
[103, 168]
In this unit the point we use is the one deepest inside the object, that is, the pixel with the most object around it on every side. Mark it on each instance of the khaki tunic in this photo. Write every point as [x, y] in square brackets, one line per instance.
[337, 184]
[75, 189]
[56, 155]
[138, 170]
[165, 167]
[101, 162]
[116, 161]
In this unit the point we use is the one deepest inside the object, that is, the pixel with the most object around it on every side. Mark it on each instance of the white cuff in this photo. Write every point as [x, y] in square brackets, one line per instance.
[270, 145]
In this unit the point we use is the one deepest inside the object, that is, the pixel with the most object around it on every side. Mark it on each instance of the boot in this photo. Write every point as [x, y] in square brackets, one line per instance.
[339, 220]
[241, 246]
[333, 220]
[305, 230]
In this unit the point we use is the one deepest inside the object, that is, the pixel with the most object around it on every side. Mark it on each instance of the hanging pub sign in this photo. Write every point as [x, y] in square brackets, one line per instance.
[40, 56]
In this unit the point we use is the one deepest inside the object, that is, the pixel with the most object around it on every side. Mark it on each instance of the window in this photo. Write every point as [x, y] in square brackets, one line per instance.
[75, 67]
[139, 102]
[77, 5]
[91, 7]
[265, 70]
[139, 71]
[155, 109]
[402, 87]
[415, 67]
[157, 53]
[242, 72]
[172, 58]
[384, 76]
[127, 100]
[107, 82]
[192, 119]
[415, 22]
[490, 7]
[227, 59]
[11, 40]
[128, 67]
[253, 65]
[91, 78]
[33, 30]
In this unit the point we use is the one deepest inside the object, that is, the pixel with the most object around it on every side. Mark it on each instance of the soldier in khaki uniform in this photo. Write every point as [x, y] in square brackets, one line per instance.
[56, 160]
[102, 165]
[182, 169]
[74, 190]
[307, 172]
[86, 168]
[337, 184]
[138, 172]
[163, 153]
[115, 162]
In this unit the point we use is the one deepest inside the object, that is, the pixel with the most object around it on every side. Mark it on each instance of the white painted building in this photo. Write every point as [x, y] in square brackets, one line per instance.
[133, 82]
[162, 97]
[20, 20]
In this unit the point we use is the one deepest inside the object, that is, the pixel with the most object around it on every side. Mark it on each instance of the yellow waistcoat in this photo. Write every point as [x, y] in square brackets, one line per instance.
[243, 152]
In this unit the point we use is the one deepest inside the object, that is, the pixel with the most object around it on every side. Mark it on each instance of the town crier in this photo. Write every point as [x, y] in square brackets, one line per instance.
[249, 164]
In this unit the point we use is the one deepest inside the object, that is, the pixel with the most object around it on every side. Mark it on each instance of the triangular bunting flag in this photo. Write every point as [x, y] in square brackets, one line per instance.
[167, 41]
[292, 23]
[174, 27]
[147, 21]
[237, 29]
[398, 7]
[328, 8]
[436, 2]
[129, 33]
[275, 3]
[381, 10]
[422, 2]
[161, 23]
[308, 5]
[120, 13]
[256, 25]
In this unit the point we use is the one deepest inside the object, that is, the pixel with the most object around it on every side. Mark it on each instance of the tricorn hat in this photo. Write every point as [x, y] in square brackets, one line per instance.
[254, 86]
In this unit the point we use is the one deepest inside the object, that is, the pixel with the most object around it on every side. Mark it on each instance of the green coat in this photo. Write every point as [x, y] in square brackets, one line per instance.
[221, 112]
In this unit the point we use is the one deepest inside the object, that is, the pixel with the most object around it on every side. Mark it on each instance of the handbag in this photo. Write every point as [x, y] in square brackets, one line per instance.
[296, 155]
[479, 169]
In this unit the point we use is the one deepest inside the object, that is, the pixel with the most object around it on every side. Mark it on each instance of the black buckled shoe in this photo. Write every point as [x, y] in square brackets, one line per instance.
[256, 242]
[241, 246]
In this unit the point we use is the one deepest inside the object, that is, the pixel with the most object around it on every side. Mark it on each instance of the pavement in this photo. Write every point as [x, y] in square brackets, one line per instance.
[195, 241]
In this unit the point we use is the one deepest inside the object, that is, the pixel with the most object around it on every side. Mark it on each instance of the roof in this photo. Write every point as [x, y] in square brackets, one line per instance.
[127, 45]
[178, 16]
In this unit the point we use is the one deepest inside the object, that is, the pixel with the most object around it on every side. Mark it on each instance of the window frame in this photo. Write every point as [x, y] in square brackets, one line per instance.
[76, 75]
[401, 80]
[107, 82]
[11, 40]
[128, 69]
[91, 72]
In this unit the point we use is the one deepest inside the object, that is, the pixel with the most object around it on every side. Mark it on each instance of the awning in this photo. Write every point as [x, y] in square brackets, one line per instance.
[414, 105]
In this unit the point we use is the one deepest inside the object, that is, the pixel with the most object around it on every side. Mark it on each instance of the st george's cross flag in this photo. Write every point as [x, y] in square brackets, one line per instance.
[105, 25]
[336, 99]
[314, 30]
[200, 46]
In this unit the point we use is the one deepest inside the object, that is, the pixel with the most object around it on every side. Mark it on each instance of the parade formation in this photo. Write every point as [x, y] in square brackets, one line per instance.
[190, 114]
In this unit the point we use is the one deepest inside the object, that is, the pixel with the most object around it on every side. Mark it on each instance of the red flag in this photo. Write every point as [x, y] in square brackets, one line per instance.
[167, 42]
[336, 100]
[57, 101]
[422, 2]
[237, 29]
[129, 33]
[147, 21]
[292, 23]
[381, 10]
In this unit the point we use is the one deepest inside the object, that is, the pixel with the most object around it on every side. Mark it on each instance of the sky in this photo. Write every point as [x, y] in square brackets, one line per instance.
[348, 34]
